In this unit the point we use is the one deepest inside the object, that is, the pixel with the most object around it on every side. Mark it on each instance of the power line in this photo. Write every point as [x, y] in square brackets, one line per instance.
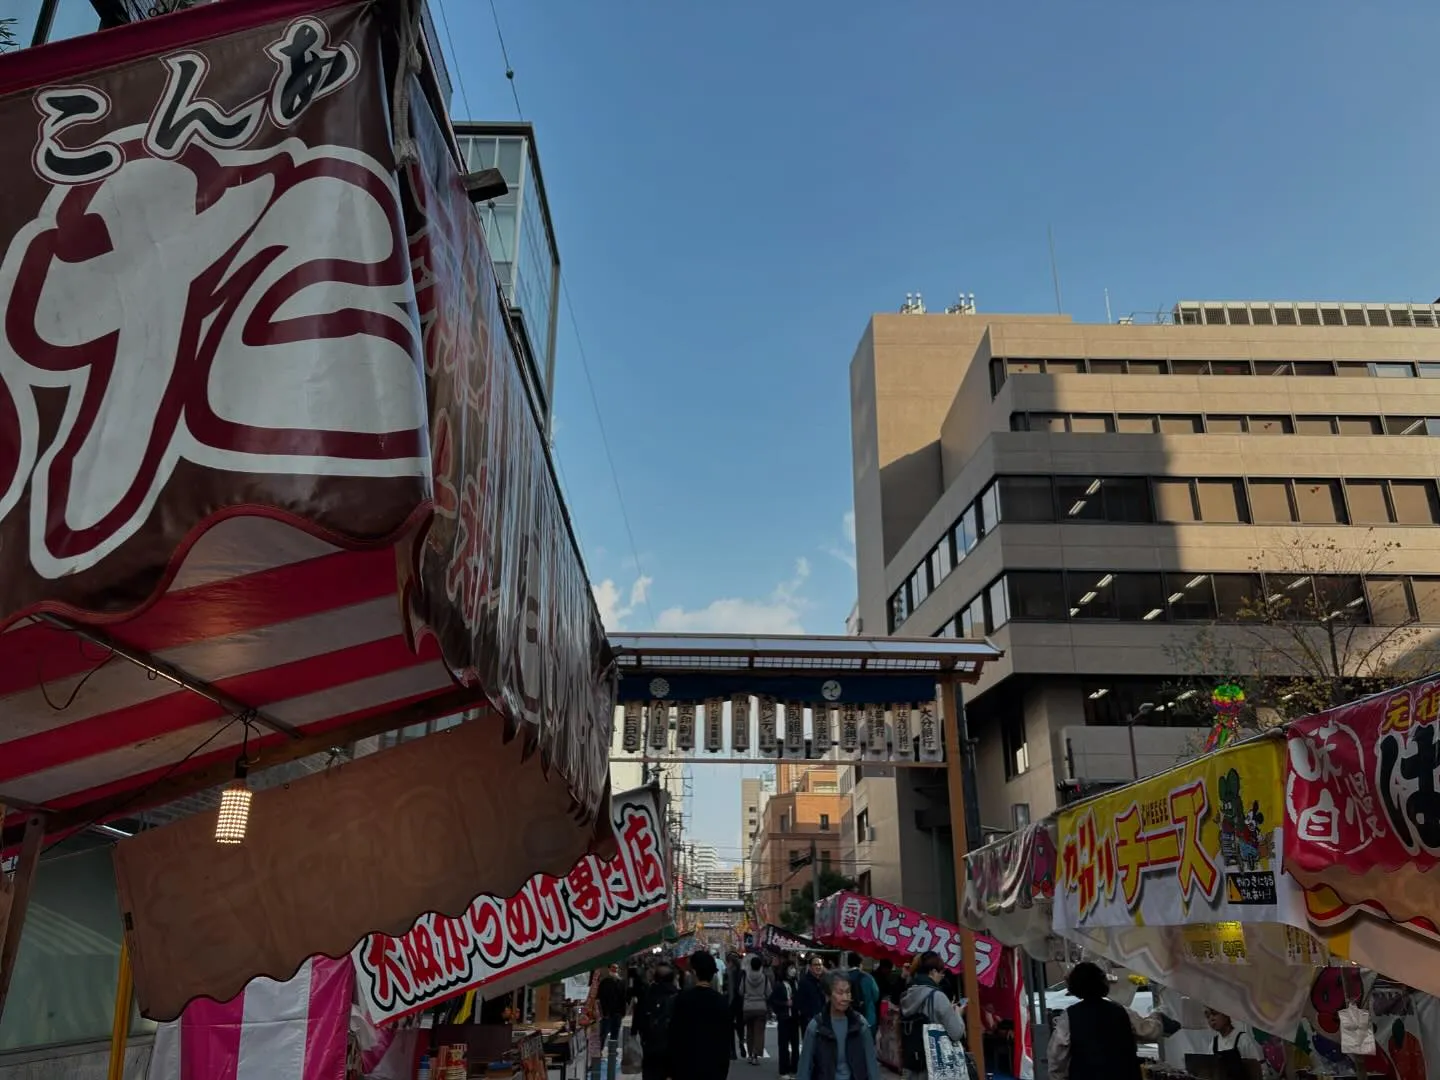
[505, 56]
[455, 56]
[579, 341]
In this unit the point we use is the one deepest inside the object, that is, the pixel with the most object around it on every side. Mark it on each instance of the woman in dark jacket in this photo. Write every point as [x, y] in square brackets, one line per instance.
[1093, 1039]
[787, 1021]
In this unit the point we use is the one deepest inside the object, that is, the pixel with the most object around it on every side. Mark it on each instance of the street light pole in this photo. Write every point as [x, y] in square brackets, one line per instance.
[1144, 710]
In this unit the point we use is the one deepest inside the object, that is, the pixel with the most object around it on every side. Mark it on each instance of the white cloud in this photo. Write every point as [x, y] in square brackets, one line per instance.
[613, 610]
[845, 551]
[779, 613]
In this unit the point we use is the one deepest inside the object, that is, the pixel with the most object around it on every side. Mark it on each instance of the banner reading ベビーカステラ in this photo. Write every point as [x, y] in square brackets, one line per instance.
[886, 931]
[550, 925]
[1178, 878]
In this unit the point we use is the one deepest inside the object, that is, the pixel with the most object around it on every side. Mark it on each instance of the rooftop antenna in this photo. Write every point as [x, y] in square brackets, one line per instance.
[1055, 271]
[1108, 317]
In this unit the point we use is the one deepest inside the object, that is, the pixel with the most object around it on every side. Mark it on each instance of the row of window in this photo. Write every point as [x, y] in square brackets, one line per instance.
[1167, 500]
[1207, 423]
[1001, 369]
[1190, 597]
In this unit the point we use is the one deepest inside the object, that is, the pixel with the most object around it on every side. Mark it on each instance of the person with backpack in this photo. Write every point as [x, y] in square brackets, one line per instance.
[700, 1031]
[1094, 1039]
[864, 990]
[653, 1022]
[925, 1003]
[838, 1043]
[755, 990]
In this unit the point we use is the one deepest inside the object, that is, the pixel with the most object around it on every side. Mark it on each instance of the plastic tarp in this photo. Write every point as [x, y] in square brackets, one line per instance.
[1010, 888]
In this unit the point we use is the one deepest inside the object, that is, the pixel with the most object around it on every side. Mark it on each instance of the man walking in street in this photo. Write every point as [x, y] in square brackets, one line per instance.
[838, 1043]
[864, 990]
[700, 1032]
[787, 1021]
[810, 993]
[611, 994]
[654, 1023]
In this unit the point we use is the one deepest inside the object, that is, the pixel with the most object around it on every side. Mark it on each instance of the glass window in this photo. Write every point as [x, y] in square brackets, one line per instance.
[997, 376]
[1064, 367]
[997, 611]
[1148, 367]
[1352, 369]
[1404, 425]
[1270, 425]
[1432, 425]
[1026, 498]
[1416, 502]
[1388, 600]
[899, 608]
[69, 955]
[1107, 367]
[1393, 371]
[1127, 499]
[919, 585]
[1273, 367]
[1225, 425]
[1180, 425]
[1429, 371]
[1078, 498]
[1426, 591]
[1043, 421]
[1237, 596]
[480, 153]
[1270, 501]
[1140, 425]
[1290, 596]
[1359, 425]
[1017, 750]
[1315, 425]
[1092, 422]
[941, 561]
[1190, 367]
[967, 532]
[1190, 597]
[1313, 367]
[1023, 367]
[1319, 502]
[1019, 422]
[1090, 594]
[1221, 500]
[508, 158]
[1368, 505]
[989, 508]
[1341, 597]
[1230, 367]
[1037, 595]
[1174, 501]
[1139, 597]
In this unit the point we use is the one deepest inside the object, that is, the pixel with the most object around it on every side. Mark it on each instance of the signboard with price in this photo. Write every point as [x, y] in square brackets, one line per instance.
[1178, 878]
[884, 931]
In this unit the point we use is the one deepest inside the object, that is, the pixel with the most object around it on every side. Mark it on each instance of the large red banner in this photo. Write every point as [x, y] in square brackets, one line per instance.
[1363, 806]
[886, 931]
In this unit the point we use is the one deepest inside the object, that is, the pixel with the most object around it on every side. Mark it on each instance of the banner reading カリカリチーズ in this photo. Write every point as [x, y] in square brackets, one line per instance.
[1178, 878]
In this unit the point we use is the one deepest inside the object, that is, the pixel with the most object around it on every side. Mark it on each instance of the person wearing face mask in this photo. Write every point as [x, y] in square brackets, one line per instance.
[787, 1022]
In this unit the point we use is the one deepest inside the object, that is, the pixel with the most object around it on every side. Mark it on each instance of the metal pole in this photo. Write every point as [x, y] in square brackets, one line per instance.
[15, 900]
[120, 1029]
[950, 716]
[814, 879]
[1134, 761]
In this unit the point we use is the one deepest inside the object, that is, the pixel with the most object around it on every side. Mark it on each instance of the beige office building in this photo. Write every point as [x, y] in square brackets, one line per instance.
[1092, 497]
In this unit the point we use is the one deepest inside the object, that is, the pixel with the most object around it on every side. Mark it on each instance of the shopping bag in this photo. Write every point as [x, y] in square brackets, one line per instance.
[632, 1056]
[1356, 1034]
[946, 1059]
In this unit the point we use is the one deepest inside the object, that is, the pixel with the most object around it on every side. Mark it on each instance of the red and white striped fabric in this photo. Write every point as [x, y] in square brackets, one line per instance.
[296, 1030]
[305, 632]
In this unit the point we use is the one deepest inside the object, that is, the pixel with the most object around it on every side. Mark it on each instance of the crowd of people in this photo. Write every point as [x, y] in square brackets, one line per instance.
[694, 1025]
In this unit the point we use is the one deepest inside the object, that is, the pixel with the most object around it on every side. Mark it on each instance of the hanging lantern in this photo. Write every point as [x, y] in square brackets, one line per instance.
[234, 817]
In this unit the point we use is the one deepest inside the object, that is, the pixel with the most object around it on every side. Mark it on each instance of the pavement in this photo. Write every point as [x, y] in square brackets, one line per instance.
[769, 1067]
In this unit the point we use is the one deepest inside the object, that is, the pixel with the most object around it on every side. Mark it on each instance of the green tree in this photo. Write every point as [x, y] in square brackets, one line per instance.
[1310, 640]
[7, 35]
[798, 916]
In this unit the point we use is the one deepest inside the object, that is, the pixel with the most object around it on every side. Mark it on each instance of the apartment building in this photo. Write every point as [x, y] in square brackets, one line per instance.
[791, 821]
[1096, 498]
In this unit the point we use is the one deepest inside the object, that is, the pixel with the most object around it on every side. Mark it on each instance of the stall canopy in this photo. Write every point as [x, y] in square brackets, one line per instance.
[270, 478]
[1363, 815]
[1178, 878]
[777, 939]
[1010, 888]
[886, 931]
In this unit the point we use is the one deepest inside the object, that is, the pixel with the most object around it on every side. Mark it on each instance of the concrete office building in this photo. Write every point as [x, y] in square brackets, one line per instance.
[1093, 497]
[521, 238]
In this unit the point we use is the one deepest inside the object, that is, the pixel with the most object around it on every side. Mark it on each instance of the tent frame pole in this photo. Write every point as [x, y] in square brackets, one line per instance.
[951, 718]
[15, 899]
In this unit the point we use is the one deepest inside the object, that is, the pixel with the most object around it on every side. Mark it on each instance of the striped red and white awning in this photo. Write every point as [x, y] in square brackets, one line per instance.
[308, 636]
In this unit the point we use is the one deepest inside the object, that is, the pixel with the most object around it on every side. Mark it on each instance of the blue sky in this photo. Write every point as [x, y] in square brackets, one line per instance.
[737, 186]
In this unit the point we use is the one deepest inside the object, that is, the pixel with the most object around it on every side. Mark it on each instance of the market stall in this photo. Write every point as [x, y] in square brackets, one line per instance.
[1363, 836]
[1178, 878]
[271, 482]
[1010, 888]
[884, 931]
[775, 939]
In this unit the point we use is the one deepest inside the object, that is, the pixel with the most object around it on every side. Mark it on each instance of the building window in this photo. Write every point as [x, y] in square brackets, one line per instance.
[919, 585]
[1225, 425]
[1315, 425]
[1359, 425]
[1237, 596]
[997, 610]
[941, 561]
[1036, 595]
[1404, 425]
[1270, 425]
[1415, 501]
[1137, 425]
[967, 533]
[1190, 597]
[824, 822]
[1017, 750]
[863, 883]
[1180, 425]
[1319, 502]
[1094, 423]
[1175, 501]
[1026, 498]
[1079, 498]
[1270, 502]
[862, 826]
[989, 508]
